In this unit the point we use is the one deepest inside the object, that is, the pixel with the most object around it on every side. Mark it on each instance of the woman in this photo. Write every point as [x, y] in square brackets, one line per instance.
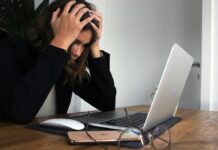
[61, 44]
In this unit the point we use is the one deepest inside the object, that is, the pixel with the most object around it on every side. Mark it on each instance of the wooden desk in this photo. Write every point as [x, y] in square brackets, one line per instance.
[197, 131]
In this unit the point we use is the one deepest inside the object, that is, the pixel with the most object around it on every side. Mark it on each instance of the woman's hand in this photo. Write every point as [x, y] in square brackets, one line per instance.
[95, 49]
[67, 25]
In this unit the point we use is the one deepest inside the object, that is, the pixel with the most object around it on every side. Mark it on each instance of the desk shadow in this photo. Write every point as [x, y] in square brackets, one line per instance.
[92, 147]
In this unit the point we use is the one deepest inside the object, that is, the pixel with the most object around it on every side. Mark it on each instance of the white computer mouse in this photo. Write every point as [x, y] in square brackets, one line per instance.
[63, 122]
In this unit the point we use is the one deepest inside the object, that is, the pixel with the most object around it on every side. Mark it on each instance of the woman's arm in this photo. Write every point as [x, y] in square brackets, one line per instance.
[100, 92]
[24, 92]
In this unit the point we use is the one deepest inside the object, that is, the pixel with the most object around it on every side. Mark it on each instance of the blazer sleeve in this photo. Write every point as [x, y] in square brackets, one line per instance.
[63, 95]
[24, 93]
[100, 91]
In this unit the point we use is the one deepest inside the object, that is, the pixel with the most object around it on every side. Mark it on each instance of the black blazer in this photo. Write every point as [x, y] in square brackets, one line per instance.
[25, 81]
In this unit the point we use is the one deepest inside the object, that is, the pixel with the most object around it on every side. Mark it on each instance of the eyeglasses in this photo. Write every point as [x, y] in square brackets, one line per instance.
[158, 138]
[90, 136]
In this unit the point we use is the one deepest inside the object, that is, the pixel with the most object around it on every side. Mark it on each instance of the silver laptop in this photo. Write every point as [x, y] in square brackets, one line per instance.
[170, 87]
[166, 99]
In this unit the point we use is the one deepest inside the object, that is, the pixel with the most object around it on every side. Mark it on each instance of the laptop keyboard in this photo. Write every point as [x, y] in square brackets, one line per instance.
[138, 120]
[134, 120]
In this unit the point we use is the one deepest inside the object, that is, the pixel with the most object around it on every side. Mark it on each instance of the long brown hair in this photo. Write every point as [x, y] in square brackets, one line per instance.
[40, 34]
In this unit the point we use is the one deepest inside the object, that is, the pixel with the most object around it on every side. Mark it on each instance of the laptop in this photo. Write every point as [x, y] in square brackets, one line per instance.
[165, 101]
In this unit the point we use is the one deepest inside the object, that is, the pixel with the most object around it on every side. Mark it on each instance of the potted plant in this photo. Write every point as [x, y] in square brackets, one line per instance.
[16, 15]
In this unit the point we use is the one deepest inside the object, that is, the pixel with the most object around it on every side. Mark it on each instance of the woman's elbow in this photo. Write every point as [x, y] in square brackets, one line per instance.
[110, 102]
[21, 116]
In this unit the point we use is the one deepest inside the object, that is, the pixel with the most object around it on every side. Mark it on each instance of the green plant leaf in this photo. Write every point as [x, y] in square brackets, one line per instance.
[16, 15]
[2, 2]
[14, 7]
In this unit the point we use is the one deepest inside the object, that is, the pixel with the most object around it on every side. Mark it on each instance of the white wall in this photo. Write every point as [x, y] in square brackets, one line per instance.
[209, 59]
[139, 36]
[191, 19]
[206, 54]
[214, 96]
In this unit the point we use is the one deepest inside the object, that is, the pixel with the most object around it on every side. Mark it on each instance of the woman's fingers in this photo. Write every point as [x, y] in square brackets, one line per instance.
[86, 21]
[81, 13]
[67, 7]
[94, 26]
[96, 13]
[55, 15]
[98, 17]
[76, 9]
